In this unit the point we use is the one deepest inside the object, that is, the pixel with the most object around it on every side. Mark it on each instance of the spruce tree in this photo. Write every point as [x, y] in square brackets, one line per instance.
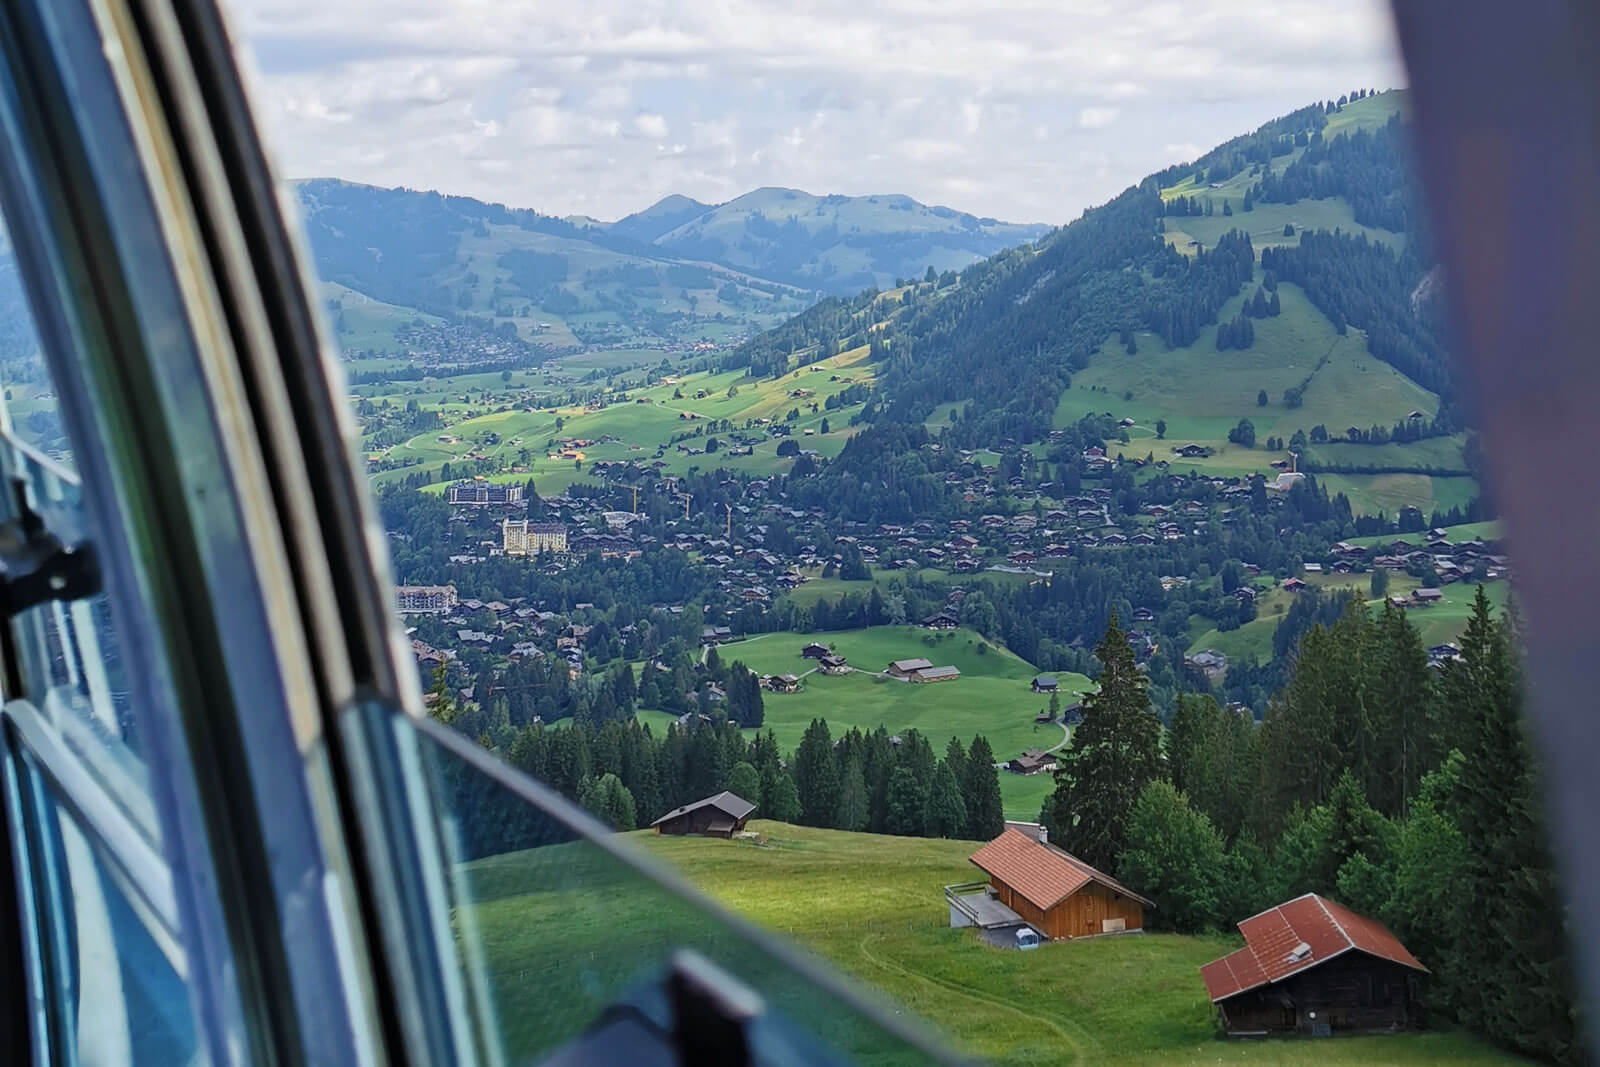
[1516, 945]
[906, 800]
[783, 799]
[816, 775]
[852, 813]
[945, 813]
[980, 791]
[1115, 753]
[1400, 702]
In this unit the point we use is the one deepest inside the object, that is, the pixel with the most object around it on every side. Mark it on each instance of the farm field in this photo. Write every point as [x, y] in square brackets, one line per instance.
[992, 696]
[872, 905]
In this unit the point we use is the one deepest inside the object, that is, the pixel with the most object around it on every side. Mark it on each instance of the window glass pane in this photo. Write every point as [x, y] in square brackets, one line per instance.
[553, 930]
[117, 989]
[70, 661]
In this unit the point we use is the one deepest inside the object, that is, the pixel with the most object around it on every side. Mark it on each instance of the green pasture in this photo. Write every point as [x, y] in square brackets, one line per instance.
[873, 906]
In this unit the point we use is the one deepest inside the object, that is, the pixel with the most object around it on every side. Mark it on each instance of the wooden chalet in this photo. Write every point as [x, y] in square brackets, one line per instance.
[815, 651]
[832, 664]
[1055, 892]
[720, 816]
[1045, 683]
[1032, 761]
[1315, 967]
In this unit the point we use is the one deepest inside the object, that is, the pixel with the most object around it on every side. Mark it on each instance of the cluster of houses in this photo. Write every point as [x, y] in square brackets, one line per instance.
[519, 629]
[1451, 560]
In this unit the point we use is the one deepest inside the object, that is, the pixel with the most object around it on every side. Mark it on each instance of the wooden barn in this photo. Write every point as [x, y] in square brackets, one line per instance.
[1312, 966]
[1055, 892]
[720, 816]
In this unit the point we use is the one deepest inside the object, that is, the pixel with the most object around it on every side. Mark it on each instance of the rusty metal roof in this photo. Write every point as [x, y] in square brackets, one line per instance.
[1044, 874]
[1297, 935]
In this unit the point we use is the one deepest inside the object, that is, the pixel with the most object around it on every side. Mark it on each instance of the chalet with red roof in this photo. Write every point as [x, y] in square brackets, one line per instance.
[1312, 966]
[1054, 891]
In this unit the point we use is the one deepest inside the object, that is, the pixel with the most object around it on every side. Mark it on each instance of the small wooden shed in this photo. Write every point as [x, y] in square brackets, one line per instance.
[1056, 892]
[722, 815]
[1312, 966]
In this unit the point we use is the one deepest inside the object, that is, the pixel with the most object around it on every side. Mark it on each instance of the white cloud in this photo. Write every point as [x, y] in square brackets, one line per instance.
[651, 125]
[1098, 118]
[603, 107]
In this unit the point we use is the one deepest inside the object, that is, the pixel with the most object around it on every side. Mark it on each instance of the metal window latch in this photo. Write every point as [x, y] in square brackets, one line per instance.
[35, 566]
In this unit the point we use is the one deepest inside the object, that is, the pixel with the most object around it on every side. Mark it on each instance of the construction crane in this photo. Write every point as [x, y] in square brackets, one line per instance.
[730, 521]
[635, 488]
[685, 498]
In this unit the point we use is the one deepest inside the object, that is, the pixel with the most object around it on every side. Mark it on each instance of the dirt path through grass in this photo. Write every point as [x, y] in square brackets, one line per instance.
[1074, 1046]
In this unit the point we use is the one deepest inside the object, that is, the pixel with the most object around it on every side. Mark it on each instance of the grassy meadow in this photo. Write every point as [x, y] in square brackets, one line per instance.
[566, 925]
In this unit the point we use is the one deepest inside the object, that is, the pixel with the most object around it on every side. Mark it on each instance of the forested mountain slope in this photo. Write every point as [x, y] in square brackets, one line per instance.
[1279, 279]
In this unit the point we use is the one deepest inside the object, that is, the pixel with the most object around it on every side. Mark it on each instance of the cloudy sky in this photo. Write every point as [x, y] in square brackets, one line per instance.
[1028, 110]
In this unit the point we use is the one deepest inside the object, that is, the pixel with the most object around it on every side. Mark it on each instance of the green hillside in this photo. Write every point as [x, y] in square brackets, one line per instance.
[873, 906]
[643, 423]
[1094, 316]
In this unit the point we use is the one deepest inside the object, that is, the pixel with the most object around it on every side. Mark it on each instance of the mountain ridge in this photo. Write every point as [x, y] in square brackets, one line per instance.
[676, 275]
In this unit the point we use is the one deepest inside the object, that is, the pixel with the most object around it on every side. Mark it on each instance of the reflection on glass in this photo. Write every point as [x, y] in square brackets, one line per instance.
[31, 412]
[555, 932]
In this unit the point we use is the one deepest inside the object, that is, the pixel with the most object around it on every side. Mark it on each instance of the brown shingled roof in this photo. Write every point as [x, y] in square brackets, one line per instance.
[1326, 928]
[1044, 874]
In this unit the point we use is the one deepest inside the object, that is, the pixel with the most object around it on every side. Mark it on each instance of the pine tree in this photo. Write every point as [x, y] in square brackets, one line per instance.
[816, 775]
[945, 813]
[1114, 754]
[980, 791]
